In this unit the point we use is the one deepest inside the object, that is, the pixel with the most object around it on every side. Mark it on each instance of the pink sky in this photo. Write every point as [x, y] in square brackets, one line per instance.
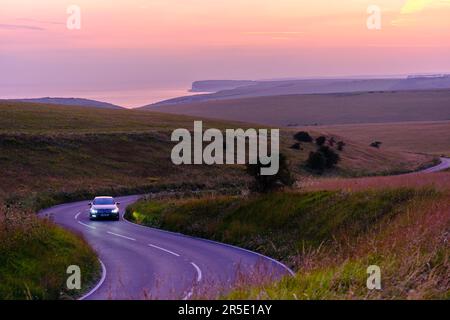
[139, 46]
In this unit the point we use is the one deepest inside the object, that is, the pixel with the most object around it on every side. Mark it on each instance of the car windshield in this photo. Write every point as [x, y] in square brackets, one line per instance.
[104, 201]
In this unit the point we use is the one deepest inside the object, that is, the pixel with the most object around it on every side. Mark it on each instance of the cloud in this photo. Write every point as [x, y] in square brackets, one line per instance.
[20, 27]
[412, 9]
[28, 20]
[414, 6]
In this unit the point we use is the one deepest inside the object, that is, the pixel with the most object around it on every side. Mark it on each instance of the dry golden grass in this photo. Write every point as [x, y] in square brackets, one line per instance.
[420, 137]
[324, 109]
[440, 181]
[54, 149]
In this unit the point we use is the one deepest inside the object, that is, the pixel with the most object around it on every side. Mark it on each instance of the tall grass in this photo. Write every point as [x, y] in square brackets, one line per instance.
[34, 256]
[412, 250]
[329, 237]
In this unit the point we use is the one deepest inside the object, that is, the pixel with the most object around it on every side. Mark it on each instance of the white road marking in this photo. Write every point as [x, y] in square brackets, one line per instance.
[76, 216]
[119, 235]
[292, 273]
[165, 250]
[86, 225]
[99, 284]
[199, 272]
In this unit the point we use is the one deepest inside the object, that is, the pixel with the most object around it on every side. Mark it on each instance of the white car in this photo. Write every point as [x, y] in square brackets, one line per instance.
[104, 208]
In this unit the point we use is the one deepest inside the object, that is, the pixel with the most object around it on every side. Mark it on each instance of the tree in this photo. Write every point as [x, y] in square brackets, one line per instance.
[320, 141]
[323, 158]
[303, 136]
[267, 184]
[316, 161]
[331, 157]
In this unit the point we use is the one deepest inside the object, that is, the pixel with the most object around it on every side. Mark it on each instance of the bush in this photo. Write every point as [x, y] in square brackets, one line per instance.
[341, 145]
[332, 158]
[332, 142]
[323, 158]
[267, 184]
[320, 141]
[376, 144]
[303, 136]
[316, 161]
[297, 146]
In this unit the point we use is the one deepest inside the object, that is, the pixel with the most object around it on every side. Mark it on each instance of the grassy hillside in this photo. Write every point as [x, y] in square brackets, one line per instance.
[34, 256]
[329, 237]
[49, 153]
[54, 154]
[308, 86]
[426, 137]
[73, 102]
[324, 109]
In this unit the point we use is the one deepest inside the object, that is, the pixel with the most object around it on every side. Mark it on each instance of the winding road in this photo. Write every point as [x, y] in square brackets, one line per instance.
[145, 263]
[444, 165]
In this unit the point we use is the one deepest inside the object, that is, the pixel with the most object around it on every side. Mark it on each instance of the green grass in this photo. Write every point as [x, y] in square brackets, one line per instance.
[279, 225]
[56, 154]
[329, 237]
[50, 152]
[34, 257]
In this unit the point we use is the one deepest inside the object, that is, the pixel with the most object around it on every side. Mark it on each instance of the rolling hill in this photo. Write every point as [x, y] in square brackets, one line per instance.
[229, 89]
[58, 151]
[323, 109]
[79, 102]
[427, 137]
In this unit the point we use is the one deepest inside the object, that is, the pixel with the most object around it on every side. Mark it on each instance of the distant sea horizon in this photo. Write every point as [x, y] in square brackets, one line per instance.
[128, 98]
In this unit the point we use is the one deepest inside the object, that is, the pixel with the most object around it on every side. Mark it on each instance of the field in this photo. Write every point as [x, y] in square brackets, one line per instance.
[324, 109]
[55, 154]
[51, 154]
[426, 137]
[329, 237]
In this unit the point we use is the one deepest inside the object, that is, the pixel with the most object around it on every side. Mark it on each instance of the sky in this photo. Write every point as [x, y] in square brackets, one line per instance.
[134, 52]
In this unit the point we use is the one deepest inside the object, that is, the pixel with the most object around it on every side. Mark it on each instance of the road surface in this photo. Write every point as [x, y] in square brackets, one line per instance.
[145, 263]
[444, 165]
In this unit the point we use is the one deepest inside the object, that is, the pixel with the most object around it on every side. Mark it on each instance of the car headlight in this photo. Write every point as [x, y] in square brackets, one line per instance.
[93, 211]
[116, 210]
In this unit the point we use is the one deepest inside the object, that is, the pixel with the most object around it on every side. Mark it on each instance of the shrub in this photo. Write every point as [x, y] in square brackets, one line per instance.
[303, 136]
[316, 161]
[267, 184]
[376, 144]
[323, 158]
[341, 145]
[332, 141]
[320, 141]
[331, 157]
[296, 146]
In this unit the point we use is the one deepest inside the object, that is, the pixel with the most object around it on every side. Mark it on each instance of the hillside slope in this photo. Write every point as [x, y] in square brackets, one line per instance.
[239, 90]
[324, 109]
[56, 150]
[329, 237]
[422, 136]
[79, 102]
